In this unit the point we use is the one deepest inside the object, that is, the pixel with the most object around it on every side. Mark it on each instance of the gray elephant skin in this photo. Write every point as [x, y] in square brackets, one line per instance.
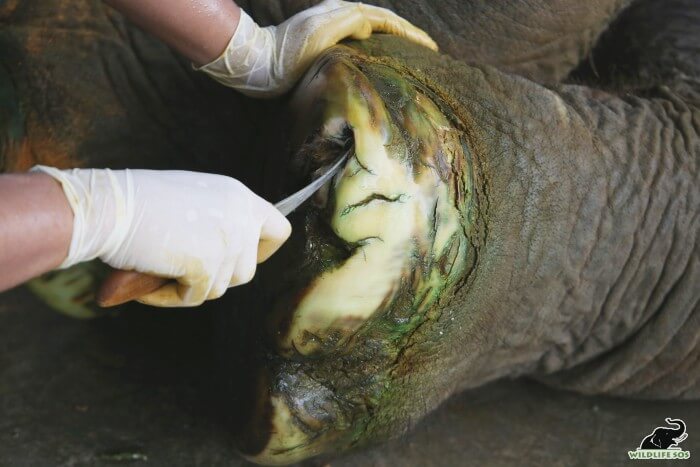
[524, 203]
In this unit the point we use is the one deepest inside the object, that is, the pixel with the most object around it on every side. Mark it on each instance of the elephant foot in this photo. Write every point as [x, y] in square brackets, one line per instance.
[372, 264]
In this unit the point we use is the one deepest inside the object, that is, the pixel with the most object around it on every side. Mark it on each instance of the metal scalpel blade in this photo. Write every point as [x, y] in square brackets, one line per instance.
[290, 203]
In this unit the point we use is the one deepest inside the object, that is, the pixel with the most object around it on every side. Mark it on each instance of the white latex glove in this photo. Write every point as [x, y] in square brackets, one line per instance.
[268, 61]
[207, 231]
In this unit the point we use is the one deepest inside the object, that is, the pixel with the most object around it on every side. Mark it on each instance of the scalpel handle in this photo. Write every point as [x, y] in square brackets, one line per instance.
[125, 286]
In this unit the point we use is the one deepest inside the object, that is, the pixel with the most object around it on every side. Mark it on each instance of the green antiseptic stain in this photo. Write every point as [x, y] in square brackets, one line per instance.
[71, 291]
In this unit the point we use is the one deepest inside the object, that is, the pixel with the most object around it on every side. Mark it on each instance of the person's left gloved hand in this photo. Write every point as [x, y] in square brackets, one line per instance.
[267, 62]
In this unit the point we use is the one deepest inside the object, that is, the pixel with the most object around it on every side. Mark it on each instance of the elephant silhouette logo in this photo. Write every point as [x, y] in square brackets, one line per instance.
[666, 438]
[663, 442]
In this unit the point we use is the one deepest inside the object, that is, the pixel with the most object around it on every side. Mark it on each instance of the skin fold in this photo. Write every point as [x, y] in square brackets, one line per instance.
[531, 211]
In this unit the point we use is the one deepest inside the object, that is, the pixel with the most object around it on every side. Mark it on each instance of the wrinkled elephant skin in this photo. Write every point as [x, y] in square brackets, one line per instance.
[526, 203]
[450, 250]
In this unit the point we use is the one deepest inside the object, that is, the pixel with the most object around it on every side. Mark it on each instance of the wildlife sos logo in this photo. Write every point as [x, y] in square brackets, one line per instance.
[662, 443]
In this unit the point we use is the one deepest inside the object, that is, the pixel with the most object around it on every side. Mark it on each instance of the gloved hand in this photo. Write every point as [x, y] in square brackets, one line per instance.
[268, 61]
[207, 231]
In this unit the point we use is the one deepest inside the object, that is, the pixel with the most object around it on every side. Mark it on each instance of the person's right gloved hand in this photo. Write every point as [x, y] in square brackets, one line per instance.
[207, 231]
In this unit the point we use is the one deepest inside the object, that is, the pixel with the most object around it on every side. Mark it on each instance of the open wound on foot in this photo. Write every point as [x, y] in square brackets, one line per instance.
[381, 246]
[391, 205]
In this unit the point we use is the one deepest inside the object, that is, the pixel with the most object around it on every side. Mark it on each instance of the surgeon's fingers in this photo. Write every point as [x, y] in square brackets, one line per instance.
[246, 265]
[359, 21]
[188, 291]
[274, 232]
[386, 21]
